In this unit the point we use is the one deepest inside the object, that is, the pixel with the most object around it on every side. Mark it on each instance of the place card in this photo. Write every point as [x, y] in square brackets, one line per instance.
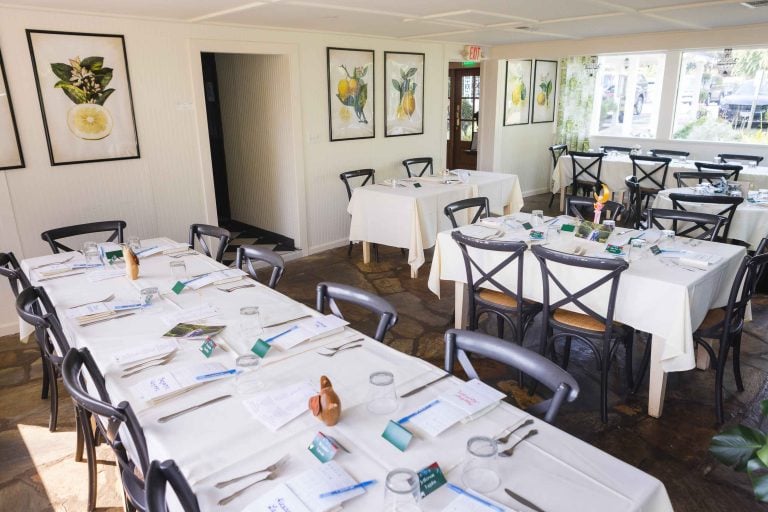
[171, 383]
[136, 354]
[305, 330]
[208, 347]
[277, 407]
[397, 435]
[536, 235]
[526, 225]
[431, 478]
[279, 499]
[189, 331]
[614, 249]
[323, 447]
[568, 228]
[322, 480]
[178, 287]
[260, 348]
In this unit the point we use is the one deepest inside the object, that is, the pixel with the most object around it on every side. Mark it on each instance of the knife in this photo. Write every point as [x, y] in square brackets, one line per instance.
[106, 319]
[524, 501]
[165, 419]
[59, 277]
[424, 386]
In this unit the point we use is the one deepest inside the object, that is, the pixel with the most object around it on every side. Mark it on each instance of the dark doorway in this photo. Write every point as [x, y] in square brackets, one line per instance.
[216, 138]
[464, 101]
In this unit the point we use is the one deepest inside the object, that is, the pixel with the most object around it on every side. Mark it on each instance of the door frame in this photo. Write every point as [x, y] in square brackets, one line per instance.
[454, 130]
[198, 46]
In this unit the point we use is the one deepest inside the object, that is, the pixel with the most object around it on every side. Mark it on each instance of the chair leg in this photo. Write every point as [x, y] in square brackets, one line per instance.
[500, 327]
[643, 365]
[628, 362]
[46, 376]
[54, 390]
[737, 362]
[551, 199]
[376, 252]
[719, 371]
[604, 390]
[349, 250]
[566, 352]
[80, 439]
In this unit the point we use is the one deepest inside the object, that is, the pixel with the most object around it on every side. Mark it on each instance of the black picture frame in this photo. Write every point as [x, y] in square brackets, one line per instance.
[548, 110]
[407, 127]
[354, 124]
[73, 148]
[12, 120]
[527, 100]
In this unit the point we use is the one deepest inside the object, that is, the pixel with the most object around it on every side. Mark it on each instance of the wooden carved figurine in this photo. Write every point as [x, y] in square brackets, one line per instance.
[131, 263]
[326, 406]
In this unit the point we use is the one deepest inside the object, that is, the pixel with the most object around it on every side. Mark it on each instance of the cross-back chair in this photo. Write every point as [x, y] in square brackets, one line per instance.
[731, 170]
[580, 321]
[200, 231]
[159, 476]
[418, 166]
[585, 172]
[113, 227]
[685, 223]
[459, 343]
[247, 254]
[331, 293]
[651, 173]
[481, 203]
[556, 151]
[685, 178]
[726, 206]
[368, 177]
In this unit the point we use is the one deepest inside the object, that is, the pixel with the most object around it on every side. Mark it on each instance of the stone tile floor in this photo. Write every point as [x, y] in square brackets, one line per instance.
[38, 472]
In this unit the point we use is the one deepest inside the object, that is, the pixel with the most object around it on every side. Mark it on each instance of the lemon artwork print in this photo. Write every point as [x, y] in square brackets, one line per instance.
[84, 82]
[545, 91]
[407, 89]
[352, 92]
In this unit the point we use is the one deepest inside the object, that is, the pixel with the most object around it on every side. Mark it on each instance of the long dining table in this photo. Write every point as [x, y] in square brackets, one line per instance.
[656, 295]
[230, 438]
[410, 214]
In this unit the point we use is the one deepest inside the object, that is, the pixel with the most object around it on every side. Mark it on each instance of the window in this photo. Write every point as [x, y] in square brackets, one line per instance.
[627, 94]
[717, 108]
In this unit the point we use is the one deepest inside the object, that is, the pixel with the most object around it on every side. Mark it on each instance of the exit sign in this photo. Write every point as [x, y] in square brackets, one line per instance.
[472, 52]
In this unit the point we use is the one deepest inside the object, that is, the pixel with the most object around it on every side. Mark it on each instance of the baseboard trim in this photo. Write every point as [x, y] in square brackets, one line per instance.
[9, 328]
[327, 246]
[535, 192]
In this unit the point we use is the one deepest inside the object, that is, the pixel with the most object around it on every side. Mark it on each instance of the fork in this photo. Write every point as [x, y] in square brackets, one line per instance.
[53, 263]
[505, 438]
[340, 347]
[340, 350]
[133, 370]
[107, 299]
[508, 451]
[269, 468]
[230, 290]
[229, 498]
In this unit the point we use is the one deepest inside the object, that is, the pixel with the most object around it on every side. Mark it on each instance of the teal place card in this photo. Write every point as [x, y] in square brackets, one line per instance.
[527, 225]
[323, 447]
[260, 348]
[537, 235]
[113, 255]
[397, 435]
[614, 249]
[417, 185]
[655, 250]
[178, 287]
[568, 228]
[207, 347]
[431, 478]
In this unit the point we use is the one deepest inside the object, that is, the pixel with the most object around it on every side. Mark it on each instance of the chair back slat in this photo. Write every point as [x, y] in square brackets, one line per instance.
[650, 169]
[556, 152]
[728, 206]
[247, 254]
[113, 227]
[200, 231]
[731, 157]
[732, 171]
[368, 176]
[618, 149]
[330, 293]
[685, 177]
[481, 203]
[35, 307]
[671, 153]
[418, 166]
[160, 475]
[586, 166]
[685, 223]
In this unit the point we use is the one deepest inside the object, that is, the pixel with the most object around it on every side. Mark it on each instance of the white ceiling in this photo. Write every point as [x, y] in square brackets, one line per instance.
[485, 22]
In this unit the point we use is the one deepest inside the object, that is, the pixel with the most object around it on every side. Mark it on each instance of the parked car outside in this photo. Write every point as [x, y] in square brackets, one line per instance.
[736, 107]
[641, 94]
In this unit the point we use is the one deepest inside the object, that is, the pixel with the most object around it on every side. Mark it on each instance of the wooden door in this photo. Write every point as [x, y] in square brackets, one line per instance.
[464, 101]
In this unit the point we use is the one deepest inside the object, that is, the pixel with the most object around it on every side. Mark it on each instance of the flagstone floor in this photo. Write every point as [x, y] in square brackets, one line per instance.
[38, 472]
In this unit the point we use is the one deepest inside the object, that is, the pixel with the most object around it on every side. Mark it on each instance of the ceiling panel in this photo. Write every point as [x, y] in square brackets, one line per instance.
[170, 9]
[720, 15]
[494, 37]
[649, 4]
[615, 25]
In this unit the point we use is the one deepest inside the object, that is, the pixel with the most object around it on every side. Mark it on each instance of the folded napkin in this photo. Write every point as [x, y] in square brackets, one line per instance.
[698, 260]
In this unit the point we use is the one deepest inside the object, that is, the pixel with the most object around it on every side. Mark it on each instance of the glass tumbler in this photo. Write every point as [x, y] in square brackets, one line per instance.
[402, 493]
[667, 239]
[537, 218]
[479, 472]
[92, 255]
[134, 243]
[179, 270]
[247, 379]
[636, 249]
[382, 398]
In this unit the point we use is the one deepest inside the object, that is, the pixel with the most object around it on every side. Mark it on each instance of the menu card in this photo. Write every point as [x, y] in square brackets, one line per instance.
[325, 478]
[305, 330]
[214, 277]
[171, 383]
[275, 408]
[143, 352]
[279, 499]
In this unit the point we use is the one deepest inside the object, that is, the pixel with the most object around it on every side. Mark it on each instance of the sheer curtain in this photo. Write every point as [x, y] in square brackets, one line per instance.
[574, 109]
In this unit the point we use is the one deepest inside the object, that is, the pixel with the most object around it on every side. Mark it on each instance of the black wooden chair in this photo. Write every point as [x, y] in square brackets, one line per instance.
[585, 172]
[635, 215]
[459, 343]
[686, 178]
[506, 303]
[730, 169]
[200, 231]
[651, 173]
[556, 152]
[330, 293]
[685, 223]
[597, 330]
[159, 476]
[727, 205]
[114, 227]
[618, 149]
[418, 166]
[112, 422]
[727, 158]
[368, 176]
[671, 153]
[481, 203]
[584, 208]
[247, 254]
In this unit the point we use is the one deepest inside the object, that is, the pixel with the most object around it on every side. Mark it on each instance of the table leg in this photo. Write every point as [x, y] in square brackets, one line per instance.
[414, 273]
[366, 252]
[657, 382]
[702, 358]
[507, 209]
[562, 199]
[460, 304]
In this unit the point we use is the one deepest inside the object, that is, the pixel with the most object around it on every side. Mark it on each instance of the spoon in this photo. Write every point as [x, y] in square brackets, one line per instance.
[504, 439]
[508, 451]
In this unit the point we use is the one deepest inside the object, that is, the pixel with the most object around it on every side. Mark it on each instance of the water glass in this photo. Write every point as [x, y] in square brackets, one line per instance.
[92, 254]
[134, 243]
[480, 472]
[401, 492]
[179, 270]
[146, 295]
[247, 379]
[537, 218]
[250, 324]
[382, 398]
[636, 247]
[667, 238]
[394, 183]
[610, 225]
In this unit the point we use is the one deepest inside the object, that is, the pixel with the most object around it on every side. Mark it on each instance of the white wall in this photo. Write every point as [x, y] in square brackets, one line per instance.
[256, 121]
[169, 187]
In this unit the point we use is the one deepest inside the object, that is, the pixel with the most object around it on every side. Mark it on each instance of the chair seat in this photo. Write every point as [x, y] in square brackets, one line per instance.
[502, 299]
[712, 323]
[582, 321]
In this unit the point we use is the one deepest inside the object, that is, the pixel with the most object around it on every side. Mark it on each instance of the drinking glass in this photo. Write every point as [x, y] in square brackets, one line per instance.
[479, 471]
[92, 254]
[134, 243]
[382, 398]
[667, 239]
[537, 218]
[146, 295]
[394, 183]
[179, 270]
[636, 249]
[610, 225]
[250, 323]
[247, 379]
[401, 492]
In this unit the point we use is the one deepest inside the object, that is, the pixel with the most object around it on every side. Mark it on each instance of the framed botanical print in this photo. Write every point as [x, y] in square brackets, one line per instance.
[11, 156]
[404, 93]
[85, 96]
[543, 95]
[351, 94]
[517, 91]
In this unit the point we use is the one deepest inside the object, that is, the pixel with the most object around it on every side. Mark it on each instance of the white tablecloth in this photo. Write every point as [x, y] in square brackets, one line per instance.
[224, 440]
[410, 217]
[665, 301]
[616, 168]
[750, 221]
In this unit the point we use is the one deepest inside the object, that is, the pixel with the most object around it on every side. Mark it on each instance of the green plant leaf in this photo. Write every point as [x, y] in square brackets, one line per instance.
[76, 94]
[413, 88]
[101, 98]
[92, 63]
[411, 72]
[104, 76]
[362, 96]
[349, 101]
[735, 446]
[402, 73]
[62, 71]
[396, 85]
[364, 72]
[758, 475]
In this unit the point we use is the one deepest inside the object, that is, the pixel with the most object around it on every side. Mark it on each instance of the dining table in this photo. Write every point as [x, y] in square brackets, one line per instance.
[408, 213]
[616, 167]
[656, 295]
[239, 435]
[750, 219]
